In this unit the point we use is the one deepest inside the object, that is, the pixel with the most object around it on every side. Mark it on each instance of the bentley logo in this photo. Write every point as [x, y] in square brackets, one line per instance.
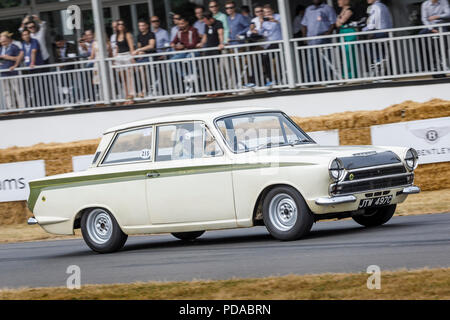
[431, 135]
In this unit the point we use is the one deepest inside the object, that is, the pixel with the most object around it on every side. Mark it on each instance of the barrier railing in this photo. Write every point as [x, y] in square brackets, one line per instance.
[197, 72]
[336, 59]
[50, 86]
[348, 57]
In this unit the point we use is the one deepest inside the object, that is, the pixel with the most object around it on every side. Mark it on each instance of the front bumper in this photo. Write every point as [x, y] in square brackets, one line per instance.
[330, 201]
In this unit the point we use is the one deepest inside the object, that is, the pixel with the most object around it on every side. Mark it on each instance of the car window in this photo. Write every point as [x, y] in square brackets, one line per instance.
[250, 131]
[189, 140]
[131, 146]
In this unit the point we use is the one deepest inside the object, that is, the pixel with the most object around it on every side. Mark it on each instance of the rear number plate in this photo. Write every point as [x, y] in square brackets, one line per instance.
[375, 202]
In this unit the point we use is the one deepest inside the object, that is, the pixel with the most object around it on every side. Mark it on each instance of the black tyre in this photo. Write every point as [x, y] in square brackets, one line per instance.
[101, 232]
[286, 214]
[188, 236]
[373, 217]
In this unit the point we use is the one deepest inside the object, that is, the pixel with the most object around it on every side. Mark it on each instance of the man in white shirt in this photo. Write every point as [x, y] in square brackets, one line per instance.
[434, 12]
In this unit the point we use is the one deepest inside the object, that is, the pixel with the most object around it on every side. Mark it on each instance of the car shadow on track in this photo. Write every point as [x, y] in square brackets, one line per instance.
[258, 235]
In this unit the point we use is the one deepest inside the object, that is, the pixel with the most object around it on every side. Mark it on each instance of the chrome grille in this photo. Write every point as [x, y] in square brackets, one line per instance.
[372, 178]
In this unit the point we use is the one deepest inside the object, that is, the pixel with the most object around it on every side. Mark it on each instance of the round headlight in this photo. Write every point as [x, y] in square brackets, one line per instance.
[336, 169]
[411, 159]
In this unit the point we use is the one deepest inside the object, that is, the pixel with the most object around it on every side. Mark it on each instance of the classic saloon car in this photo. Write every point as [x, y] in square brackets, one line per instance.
[218, 169]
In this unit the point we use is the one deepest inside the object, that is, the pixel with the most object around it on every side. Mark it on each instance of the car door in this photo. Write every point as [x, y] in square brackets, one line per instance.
[191, 180]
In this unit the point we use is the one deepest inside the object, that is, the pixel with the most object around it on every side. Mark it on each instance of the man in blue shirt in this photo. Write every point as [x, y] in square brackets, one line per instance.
[161, 35]
[236, 22]
[434, 12]
[271, 30]
[31, 51]
[199, 24]
[10, 59]
[319, 20]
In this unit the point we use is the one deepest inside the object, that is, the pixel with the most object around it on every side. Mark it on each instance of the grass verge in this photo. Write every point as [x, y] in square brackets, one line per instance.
[401, 284]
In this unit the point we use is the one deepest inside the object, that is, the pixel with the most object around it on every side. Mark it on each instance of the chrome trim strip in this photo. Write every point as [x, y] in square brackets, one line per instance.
[411, 190]
[398, 175]
[335, 200]
[31, 221]
[377, 167]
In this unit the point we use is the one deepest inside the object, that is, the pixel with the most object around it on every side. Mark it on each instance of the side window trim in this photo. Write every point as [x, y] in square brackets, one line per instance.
[114, 138]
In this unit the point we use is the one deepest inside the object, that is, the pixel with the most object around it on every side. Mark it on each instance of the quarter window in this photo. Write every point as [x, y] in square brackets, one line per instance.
[189, 140]
[131, 146]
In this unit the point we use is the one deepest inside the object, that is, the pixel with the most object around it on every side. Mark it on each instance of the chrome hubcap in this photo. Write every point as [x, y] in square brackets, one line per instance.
[99, 226]
[283, 212]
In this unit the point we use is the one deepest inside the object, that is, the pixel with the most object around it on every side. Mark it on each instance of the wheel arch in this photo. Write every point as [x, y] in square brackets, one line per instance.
[84, 210]
[257, 209]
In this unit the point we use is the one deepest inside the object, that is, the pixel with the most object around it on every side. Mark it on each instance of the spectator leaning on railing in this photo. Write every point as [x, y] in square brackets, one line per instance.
[199, 24]
[161, 35]
[435, 12]
[237, 23]
[64, 52]
[10, 59]
[212, 37]
[271, 30]
[222, 17]
[186, 38]
[176, 20]
[31, 51]
[319, 20]
[38, 30]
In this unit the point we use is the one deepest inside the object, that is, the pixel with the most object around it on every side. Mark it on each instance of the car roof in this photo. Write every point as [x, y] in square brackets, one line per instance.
[208, 114]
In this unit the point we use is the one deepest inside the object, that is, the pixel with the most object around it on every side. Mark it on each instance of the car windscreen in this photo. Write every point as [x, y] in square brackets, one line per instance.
[245, 132]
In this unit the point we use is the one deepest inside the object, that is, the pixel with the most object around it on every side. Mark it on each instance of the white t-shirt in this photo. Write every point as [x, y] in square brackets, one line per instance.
[40, 36]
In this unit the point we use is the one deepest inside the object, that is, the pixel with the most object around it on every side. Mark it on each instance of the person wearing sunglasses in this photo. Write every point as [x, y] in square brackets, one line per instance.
[237, 23]
[176, 21]
[256, 22]
[38, 31]
[161, 35]
[222, 17]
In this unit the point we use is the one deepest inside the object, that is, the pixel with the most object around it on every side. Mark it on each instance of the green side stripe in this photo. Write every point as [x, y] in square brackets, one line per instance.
[38, 186]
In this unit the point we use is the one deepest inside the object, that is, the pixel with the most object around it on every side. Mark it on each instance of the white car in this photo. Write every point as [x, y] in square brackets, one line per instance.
[218, 169]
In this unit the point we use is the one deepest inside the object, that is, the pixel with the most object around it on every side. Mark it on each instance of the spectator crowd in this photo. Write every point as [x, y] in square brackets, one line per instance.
[214, 28]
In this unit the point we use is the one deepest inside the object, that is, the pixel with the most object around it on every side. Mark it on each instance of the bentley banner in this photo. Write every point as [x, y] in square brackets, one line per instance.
[14, 178]
[431, 137]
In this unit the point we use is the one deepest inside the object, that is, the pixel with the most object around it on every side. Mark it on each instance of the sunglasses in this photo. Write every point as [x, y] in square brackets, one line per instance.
[229, 8]
[31, 27]
[155, 21]
[258, 11]
[213, 6]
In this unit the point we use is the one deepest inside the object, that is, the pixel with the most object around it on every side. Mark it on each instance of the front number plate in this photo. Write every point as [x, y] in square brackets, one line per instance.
[375, 202]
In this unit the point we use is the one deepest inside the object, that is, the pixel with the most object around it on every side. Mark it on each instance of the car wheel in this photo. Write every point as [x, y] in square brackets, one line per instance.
[188, 236]
[375, 216]
[101, 232]
[286, 214]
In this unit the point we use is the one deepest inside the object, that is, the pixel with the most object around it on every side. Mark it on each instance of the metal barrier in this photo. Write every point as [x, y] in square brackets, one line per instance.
[197, 72]
[51, 86]
[348, 57]
[338, 59]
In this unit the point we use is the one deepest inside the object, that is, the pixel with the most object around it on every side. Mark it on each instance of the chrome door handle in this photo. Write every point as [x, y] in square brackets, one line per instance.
[152, 174]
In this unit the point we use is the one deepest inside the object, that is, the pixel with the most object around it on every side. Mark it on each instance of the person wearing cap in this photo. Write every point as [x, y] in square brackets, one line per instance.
[10, 59]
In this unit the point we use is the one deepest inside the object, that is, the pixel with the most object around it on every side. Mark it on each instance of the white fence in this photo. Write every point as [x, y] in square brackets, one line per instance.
[338, 59]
